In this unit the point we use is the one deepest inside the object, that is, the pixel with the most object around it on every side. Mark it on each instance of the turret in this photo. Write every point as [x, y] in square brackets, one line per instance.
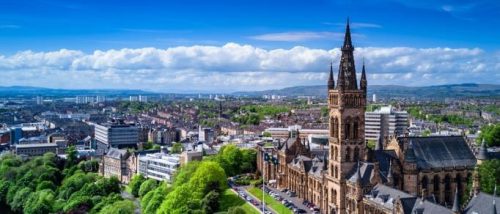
[363, 83]
[456, 203]
[331, 81]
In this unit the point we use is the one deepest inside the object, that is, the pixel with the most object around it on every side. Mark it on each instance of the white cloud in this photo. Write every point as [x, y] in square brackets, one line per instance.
[233, 67]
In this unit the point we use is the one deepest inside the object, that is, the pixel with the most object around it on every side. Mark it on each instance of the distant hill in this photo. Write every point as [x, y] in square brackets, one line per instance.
[388, 91]
[40, 91]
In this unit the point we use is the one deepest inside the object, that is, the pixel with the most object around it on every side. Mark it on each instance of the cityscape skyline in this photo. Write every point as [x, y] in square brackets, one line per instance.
[186, 47]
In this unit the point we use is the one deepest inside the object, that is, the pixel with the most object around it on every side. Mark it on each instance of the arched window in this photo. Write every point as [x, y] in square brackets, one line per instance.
[335, 153]
[356, 154]
[355, 129]
[436, 187]
[425, 183]
[336, 172]
[348, 154]
[458, 182]
[447, 189]
[334, 193]
[347, 129]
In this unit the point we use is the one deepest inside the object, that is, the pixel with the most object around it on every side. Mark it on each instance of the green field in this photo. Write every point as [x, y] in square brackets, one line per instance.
[270, 201]
[231, 199]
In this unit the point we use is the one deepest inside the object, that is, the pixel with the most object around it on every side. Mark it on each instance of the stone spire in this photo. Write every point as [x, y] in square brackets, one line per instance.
[347, 69]
[390, 178]
[363, 83]
[331, 81]
[456, 202]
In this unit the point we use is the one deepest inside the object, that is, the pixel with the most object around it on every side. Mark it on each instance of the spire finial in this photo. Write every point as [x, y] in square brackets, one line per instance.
[331, 81]
[456, 205]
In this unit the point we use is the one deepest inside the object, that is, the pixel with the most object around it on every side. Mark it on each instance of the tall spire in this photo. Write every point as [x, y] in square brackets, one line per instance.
[347, 69]
[331, 81]
[389, 174]
[363, 83]
[347, 38]
[456, 202]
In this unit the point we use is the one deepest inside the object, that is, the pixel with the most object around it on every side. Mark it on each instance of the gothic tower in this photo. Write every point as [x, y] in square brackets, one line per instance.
[346, 104]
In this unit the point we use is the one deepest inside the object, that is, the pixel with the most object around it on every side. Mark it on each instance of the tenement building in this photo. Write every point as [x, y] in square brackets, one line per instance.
[405, 175]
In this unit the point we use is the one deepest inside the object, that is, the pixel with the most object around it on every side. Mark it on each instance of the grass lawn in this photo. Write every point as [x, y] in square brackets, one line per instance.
[270, 201]
[231, 199]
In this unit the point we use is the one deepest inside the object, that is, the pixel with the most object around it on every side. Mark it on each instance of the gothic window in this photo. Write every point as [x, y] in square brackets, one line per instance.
[355, 129]
[348, 154]
[425, 183]
[347, 130]
[436, 187]
[335, 153]
[334, 195]
[458, 182]
[447, 189]
[336, 172]
[336, 128]
[356, 154]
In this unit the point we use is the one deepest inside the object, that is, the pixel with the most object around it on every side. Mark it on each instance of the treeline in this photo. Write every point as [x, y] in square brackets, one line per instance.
[253, 114]
[491, 134]
[48, 184]
[137, 107]
[197, 187]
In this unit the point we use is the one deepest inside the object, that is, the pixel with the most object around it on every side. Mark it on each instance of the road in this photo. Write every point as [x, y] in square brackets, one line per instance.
[295, 200]
[136, 201]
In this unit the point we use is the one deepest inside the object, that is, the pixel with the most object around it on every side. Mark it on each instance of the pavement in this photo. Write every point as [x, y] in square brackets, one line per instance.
[295, 200]
[136, 201]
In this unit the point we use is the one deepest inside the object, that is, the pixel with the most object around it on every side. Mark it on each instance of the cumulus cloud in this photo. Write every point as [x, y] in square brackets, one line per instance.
[234, 67]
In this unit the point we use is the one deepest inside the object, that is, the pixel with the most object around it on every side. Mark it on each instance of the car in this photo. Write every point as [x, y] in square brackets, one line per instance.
[284, 201]
[292, 194]
[299, 211]
[284, 190]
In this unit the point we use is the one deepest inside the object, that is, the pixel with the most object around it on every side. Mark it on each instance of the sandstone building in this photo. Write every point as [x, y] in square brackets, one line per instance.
[407, 175]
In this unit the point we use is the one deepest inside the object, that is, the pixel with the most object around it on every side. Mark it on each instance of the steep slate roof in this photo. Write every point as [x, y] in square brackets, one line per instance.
[116, 153]
[302, 162]
[429, 207]
[387, 196]
[383, 157]
[366, 172]
[441, 152]
[482, 203]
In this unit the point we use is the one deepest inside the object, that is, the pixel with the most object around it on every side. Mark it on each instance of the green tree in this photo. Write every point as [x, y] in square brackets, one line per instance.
[119, 207]
[491, 134]
[210, 203]
[147, 186]
[135, 184]
[72, 157]
[209, 176]
[185, 172]
[177, 148]
[489, 175]
[266, 134]
[236, 210]
[39, 202]
[20, 199]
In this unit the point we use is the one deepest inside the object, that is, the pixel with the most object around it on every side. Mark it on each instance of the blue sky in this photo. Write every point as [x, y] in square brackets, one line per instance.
[29, 29]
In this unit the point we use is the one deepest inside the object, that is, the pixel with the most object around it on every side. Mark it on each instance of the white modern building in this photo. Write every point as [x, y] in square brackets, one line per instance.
[117, 134]
[159, 166]
[384, 123]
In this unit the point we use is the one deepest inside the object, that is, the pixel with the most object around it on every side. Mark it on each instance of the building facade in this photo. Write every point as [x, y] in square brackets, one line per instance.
[406, 175]
[159, 166]
[384, 123]
[117, 134]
